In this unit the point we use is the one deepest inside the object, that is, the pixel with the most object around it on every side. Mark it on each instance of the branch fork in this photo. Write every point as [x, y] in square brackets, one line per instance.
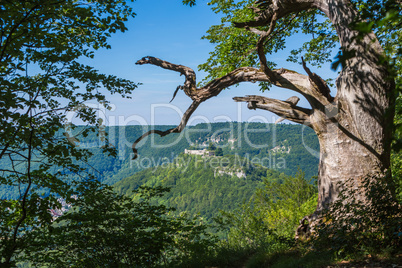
[286, 109]
[311, 86]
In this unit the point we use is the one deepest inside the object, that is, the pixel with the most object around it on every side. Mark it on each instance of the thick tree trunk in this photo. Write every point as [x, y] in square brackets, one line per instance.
[355, 139]
[346, 159]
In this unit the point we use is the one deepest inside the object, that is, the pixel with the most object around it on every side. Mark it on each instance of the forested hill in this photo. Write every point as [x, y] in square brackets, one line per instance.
[202, 185]
[283, 147]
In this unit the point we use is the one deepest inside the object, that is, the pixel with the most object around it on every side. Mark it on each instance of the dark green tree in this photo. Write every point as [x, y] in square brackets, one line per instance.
[42, 79]
[211, 147]
[105, 229]
[219, 152]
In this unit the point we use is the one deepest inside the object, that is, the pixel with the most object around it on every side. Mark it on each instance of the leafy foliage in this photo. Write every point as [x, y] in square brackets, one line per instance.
[231, 43]
[267, 223]
[41, 79]
[104, 229]
[353, 228]
[197, 186]
[235, 47]
[287, 200]
[189, 2]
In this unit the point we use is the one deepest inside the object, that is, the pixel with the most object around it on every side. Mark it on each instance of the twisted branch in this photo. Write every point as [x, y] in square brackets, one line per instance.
[319, 83]
[312, 87]
[286, 109]
[190, 78]
[161, 133]
[281, 77]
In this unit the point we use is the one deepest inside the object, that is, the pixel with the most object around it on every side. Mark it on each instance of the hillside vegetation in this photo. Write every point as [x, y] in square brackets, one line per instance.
[282, 147]
[201, 185]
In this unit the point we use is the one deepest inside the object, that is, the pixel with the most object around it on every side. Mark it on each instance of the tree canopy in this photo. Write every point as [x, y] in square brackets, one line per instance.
[41, 80]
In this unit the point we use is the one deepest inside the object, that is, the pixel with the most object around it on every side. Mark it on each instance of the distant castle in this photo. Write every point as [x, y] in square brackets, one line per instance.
[203, 152]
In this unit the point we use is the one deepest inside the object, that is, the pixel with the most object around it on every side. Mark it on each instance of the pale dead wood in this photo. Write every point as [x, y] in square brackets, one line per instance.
[161, 133]
[286, 109]
[281, 77]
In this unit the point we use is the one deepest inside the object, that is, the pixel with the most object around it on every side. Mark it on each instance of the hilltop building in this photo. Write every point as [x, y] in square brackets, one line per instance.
[203, 152]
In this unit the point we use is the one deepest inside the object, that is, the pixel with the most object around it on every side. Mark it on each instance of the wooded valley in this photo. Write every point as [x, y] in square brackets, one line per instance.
[324, 191]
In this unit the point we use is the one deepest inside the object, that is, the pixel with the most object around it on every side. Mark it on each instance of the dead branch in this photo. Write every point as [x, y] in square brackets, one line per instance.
[320, 84]
[286, 109]
[282, 78]
[190, 78]
[161, 133]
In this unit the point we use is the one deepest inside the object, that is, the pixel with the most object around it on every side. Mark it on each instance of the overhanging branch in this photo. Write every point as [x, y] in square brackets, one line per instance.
[284, 109]
[282, 77]
[190, 78]
[161, 133]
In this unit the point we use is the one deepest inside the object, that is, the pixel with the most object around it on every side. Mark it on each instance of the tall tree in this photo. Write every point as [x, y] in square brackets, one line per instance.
[354, 124]
[42, 43]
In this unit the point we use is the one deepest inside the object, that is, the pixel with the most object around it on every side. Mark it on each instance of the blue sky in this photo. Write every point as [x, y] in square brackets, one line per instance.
[172, 32]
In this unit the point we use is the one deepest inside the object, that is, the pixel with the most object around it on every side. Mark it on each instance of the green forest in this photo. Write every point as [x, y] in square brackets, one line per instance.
[292, 140]
[196, 186]
[323, 191]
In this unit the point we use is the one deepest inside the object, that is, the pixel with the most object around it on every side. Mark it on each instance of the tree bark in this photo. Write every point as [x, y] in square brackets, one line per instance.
[355, 142]
[354, 128]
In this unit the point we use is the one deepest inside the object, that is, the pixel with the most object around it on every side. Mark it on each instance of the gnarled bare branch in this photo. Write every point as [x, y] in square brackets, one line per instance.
[190, 83]
[281, 78]
[284, 109]
[320, 84]
[161, 133]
